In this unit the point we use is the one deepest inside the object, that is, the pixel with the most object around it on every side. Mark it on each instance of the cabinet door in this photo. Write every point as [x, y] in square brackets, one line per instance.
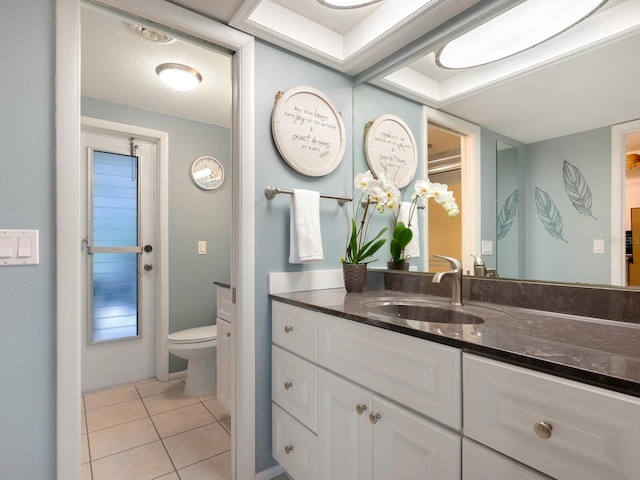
[481, 463]
[407, 447]
[224, 358]
[344, 435]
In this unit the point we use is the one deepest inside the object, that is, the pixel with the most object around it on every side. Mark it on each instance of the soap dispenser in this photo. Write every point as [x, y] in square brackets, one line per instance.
[479, 268]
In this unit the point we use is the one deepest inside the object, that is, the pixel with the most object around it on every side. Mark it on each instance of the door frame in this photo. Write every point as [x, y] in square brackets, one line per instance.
[469, 177]
[68, 232]
[161, 243]
[617, 239]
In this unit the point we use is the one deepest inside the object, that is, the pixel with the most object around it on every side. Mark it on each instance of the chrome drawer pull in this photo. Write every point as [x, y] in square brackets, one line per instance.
[288, 385]
[288, 329]
[360, 409]
[288, 449]
[543, 429]
[374, 418]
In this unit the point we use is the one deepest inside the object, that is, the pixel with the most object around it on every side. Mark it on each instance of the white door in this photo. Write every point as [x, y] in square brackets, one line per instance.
[410, 447]
[344, 430]
[118, 330]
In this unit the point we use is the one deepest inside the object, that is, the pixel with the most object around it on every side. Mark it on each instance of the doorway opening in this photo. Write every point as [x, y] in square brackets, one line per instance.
[444, 165]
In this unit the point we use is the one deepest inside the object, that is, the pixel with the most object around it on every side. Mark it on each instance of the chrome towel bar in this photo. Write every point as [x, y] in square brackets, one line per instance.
[271, 192]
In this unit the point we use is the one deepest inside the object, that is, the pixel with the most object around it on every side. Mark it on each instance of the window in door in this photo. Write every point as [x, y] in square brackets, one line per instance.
[114, 250]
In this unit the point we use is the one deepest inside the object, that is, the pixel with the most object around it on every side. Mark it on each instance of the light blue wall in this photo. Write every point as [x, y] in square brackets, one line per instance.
[548, 257]
[279, 71]
[369, 103]
[541, 256]
[194, 214]
[27, 200]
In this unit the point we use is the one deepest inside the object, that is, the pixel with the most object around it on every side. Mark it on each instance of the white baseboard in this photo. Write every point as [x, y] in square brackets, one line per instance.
[270, 473]
[282, 282]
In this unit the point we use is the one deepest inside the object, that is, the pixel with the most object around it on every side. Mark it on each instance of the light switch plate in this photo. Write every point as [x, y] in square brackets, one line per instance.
[598, 245]
[487, 247]
[202, 247]
[19, 247]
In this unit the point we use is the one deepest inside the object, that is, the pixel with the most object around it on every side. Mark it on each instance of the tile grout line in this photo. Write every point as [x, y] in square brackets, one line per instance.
[175, 470]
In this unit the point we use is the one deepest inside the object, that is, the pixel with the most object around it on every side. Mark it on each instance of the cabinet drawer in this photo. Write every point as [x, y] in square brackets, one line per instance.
[294, 447]
[295, 329]
[481, 463]
[294, 386]
[224, 305]
[414, 372]
[595, 433]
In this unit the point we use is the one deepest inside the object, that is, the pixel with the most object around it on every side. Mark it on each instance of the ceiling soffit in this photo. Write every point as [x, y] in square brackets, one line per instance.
[348, 41]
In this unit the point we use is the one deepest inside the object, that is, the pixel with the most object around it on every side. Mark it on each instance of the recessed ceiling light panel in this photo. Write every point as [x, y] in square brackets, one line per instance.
[178, 76]
[524, 26]
[150, 35]
[348, 4]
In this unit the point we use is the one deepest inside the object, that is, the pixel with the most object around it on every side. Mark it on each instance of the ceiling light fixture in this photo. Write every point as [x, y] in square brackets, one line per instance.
[522, 27]
[178, 76]
[348, 4]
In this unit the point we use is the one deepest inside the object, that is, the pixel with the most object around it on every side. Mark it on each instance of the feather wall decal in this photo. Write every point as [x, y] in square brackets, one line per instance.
[507, 215]
[549, 214]
[578, 189]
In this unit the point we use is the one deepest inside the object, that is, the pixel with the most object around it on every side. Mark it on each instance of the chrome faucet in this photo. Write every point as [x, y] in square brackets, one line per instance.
[456, 281]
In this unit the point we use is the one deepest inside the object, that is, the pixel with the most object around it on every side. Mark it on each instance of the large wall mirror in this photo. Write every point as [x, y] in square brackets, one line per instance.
[556, 123]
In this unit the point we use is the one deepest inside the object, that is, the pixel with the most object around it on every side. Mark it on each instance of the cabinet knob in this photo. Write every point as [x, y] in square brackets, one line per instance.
[543, 429]
[373, 418]
[360, 409]
[288, 385]
[288, 449]
[228, 334]
[288, 329]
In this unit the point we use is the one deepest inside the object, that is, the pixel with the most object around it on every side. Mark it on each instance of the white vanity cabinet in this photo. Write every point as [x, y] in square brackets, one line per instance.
[363, 436]
[565, 429]
[225, 351]
[352, 401]
[482, 463]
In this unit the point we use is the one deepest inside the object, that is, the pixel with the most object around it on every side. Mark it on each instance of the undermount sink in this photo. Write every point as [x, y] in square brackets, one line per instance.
[426, 313]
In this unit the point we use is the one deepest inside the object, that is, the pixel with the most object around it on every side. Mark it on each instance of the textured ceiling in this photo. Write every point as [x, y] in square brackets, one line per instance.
[119, 66]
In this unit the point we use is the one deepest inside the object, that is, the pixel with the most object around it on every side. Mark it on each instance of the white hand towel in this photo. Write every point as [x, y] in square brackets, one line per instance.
[413, 249]
[305, 237]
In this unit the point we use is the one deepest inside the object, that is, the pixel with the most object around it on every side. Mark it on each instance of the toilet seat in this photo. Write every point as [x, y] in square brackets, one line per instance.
[194, 335]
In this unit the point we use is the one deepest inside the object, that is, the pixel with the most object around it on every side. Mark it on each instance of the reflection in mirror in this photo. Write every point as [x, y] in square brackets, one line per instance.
[562, 113]
[632, 201]
[507, 193]
[444, 166]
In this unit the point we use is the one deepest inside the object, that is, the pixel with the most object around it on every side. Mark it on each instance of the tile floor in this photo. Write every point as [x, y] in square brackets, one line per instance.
[151, 430]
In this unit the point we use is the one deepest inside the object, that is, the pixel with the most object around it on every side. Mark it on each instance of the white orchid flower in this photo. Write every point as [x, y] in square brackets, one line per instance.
[377, 195]
[363, 180]
[437, 190]
[422, 188]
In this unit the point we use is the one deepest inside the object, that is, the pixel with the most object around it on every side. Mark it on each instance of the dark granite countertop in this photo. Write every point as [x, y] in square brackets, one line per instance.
[604, 353]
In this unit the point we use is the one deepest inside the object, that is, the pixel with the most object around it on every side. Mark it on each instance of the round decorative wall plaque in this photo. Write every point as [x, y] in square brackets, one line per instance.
[308, 131]
[391, 150]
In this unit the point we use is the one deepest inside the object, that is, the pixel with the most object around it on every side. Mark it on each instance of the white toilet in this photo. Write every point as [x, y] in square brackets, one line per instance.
[198, 346]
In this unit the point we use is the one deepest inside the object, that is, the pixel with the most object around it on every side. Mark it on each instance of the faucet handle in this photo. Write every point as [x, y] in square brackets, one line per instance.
[454, 262]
